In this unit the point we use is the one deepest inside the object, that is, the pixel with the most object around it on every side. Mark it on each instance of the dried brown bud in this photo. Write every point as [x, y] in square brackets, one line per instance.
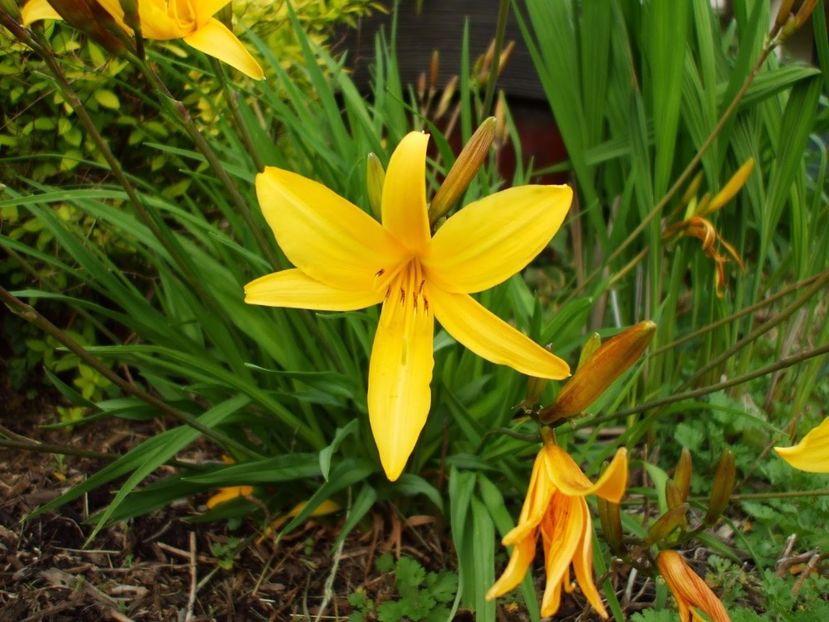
[683, 472]
[722, 488]
[592, 378]
[673, 495]
[667, 523]
[471, 158]
[91, 18]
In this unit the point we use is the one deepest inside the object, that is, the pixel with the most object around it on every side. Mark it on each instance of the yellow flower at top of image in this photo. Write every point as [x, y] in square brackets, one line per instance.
[163, 20]
[556, 507]
[812, 452]
[691, 593]
[346, 260]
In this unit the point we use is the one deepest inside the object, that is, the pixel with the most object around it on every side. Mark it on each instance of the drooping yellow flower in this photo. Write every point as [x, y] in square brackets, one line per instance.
[812, 453]
[190, 20]
[346, 260]
[691, 593]
[556, 507]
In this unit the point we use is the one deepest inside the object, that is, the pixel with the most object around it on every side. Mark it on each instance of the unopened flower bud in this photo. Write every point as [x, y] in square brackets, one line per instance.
[731, 188]
[463, 170]
[804, 12]
[446, 97]
[667, 523]
[611, 519]
[607, 363]
[783, 13]
[673, 495]
[89, 17]
[722, 488]
[683, 472]
[375, 178]
[589, 348]
[434, 70]
[535, 387]
[692, 189]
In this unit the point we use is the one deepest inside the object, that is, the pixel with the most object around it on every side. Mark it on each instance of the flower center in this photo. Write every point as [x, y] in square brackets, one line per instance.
[407, 283]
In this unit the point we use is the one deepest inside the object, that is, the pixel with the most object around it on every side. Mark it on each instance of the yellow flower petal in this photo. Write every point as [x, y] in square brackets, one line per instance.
[228, 494]
[519, 562]
[583, 563]
[812, 453]
[328, 238]
[404, 193]
[569, 478]
[36, 10]
[293, 288]
[490, 337]
[205, 9]
[489, 240]
[156, 22]
[561, 530]
[400, 372]
[214, 39]
[539, 493]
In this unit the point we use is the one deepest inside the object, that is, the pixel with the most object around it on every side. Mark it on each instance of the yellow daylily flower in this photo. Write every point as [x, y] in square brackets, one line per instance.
[190, 20]
[346, 260]
[691, 593]
[555, 506]
[812, 453]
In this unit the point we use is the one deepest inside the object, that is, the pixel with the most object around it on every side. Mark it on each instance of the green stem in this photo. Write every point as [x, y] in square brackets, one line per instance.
[781, 364]
[735, 316]
[784, 314]
[179, 110]
[29, 314]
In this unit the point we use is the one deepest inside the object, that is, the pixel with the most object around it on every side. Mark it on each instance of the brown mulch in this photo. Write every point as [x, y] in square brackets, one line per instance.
[161, 567]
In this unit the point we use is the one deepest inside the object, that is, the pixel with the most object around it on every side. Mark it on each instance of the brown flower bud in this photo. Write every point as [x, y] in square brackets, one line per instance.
[667, 523]
[683, 472]
[592, 378]
[91, 18]
[463, 170]
[722, 488]
[673, 495]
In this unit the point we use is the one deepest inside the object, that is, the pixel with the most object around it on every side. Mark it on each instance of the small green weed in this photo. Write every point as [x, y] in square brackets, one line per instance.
[424, 596]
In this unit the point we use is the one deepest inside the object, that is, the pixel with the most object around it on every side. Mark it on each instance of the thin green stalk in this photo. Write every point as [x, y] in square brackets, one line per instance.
[784, 314]
[180, 111]
[757, 373]
[689, 169]
[35, 41]
[500, 31]
[28, 313]
[734, 316]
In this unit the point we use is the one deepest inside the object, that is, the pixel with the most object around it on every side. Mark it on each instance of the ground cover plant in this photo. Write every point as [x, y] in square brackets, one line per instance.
[322, 312]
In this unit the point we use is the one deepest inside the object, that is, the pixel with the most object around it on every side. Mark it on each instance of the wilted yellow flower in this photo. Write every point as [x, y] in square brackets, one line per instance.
[691, 593]
[597, 373]
[228, 493]
[190, 20]
[346, 260]
[696, 225]
[812, 453]
[555, 506]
